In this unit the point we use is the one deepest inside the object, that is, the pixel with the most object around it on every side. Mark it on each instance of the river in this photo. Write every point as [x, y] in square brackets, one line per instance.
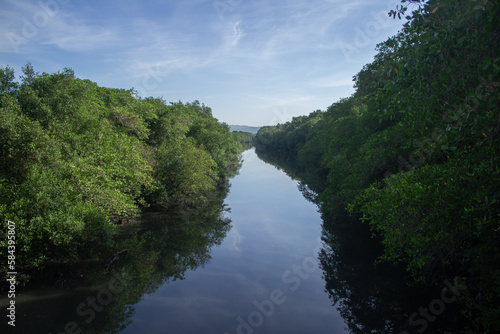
[250, 268]
[260, 260]
[263, 278]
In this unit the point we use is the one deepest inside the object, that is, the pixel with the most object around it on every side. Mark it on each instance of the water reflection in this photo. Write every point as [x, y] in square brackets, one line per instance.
[371, 296]
[100, 297]
[267, 257]
[264, 278]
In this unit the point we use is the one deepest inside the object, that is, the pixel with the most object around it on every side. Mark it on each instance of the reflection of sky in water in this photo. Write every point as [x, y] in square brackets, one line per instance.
[274, 231]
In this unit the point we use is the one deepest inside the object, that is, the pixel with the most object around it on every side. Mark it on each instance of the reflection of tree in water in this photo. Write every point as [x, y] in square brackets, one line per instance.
[365, 295]
[310, 184]
[168, 245]
[159, 250]
[371, 298]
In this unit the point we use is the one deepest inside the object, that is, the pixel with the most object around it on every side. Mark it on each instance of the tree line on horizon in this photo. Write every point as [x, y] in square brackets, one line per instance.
[415, 151]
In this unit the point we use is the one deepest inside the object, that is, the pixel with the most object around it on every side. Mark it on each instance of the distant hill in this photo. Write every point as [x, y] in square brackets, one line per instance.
[244, 128]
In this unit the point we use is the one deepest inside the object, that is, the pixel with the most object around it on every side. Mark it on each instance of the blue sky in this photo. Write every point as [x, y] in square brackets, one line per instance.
[254, 62]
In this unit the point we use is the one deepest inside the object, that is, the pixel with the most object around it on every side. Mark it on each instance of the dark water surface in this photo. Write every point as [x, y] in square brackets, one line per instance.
[263, 278]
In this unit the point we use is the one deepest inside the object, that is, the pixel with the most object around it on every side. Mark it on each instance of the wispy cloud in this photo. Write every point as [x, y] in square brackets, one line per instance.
[79, 37]
[263, 56]
[293, 26]
[38, 24]
[236, 35]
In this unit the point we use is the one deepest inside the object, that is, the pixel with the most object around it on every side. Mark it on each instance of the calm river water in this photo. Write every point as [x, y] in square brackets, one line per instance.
[263, 278]
[260, 261]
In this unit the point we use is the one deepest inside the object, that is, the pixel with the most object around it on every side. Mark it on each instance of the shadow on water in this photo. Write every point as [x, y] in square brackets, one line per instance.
[372, 296]
[100, 297]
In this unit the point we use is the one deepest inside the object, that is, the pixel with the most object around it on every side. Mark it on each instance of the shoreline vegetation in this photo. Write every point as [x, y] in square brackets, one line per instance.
[79, 160]
[415, 152]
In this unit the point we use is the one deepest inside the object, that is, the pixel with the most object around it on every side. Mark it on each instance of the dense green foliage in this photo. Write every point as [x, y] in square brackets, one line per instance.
[415, 151]
[77, 158]
[245, 139]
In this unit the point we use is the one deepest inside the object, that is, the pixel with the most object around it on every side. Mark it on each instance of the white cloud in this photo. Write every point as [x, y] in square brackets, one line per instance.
[39, 24]
[79, 37]
[237, 35]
